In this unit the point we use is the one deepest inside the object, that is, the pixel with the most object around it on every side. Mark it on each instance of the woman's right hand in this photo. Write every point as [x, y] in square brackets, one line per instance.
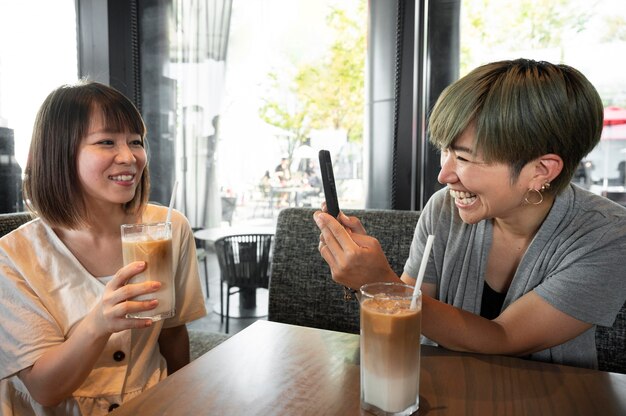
[351, 224]
[110, 314]
[56, 374]
[354, 258]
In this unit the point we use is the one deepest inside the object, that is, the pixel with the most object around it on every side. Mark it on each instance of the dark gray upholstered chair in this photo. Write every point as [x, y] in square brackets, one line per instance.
[201, 341]
[9, 222]
[303, 293]
[611, 344]
[301, 290]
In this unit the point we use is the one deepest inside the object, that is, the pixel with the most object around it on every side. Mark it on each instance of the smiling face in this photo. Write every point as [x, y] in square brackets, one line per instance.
[109, 164]
[482, 190]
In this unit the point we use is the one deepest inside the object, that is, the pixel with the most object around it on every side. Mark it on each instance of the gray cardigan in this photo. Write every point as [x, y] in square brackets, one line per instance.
[574, 263]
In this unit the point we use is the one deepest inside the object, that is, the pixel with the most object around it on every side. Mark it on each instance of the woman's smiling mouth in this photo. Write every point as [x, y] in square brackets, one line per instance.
[122, 178]
[462, 197]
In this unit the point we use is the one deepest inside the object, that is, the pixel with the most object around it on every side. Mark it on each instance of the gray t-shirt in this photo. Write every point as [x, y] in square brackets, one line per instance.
[575, 262]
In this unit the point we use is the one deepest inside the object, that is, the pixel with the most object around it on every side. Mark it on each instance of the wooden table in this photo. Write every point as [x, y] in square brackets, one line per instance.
[251, 303]
[277, 369]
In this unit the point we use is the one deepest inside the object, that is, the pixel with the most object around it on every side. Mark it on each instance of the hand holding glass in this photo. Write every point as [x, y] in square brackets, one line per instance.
[151, 243]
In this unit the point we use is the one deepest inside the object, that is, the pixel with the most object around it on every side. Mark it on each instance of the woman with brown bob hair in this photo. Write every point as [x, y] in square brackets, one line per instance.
[67, 344]
[51, 182]
[523, 262]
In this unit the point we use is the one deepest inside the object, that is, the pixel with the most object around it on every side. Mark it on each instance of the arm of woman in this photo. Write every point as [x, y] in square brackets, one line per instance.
[528, 325]
[174, 346]
[62, 369]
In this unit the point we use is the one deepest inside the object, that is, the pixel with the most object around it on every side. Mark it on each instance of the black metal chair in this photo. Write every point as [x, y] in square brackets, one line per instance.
[244, 265]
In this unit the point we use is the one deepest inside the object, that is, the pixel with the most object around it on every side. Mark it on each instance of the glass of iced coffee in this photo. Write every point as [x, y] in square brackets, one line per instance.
[390, 348]
[151, 243]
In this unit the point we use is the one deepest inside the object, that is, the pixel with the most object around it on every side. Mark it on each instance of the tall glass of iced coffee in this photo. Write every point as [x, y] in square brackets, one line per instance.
[390, 348]
[151, 243]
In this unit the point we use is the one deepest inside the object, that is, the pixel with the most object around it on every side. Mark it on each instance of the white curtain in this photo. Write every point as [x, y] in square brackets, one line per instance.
[200, 35]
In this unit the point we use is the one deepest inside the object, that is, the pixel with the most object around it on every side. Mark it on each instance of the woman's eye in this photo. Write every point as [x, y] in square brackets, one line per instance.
[462, 159]
[106, 142]
[138, 143]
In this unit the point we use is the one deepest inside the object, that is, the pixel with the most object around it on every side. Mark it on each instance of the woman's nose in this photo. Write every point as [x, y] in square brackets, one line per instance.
[124, 155]
[447, 174]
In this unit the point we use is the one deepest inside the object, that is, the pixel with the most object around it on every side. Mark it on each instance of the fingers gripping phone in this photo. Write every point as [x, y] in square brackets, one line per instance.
[328, 181]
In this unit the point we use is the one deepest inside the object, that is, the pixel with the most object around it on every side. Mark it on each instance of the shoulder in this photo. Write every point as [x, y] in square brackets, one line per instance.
[28, 234]
[26, 251]
[438, 202]
[158, 213]
[583, 229]
[587, 212]
[587, 201]
[442, 213]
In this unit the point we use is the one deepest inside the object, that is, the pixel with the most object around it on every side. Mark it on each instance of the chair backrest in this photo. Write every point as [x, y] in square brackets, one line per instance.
[244, 260]
[9, 222]
[611, 344]
[302, 291]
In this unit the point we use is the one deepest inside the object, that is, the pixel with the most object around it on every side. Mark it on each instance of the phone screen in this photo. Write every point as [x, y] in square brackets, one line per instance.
[328, 181]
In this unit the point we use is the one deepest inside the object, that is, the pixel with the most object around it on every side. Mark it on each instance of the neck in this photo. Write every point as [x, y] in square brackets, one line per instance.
[527, 220]
[105, 220]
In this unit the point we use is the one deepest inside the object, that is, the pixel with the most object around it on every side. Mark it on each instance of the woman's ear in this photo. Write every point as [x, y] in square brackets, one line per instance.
[548, 167]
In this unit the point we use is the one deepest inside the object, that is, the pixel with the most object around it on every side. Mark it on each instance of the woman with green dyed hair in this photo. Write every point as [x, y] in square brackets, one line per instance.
[523, 262]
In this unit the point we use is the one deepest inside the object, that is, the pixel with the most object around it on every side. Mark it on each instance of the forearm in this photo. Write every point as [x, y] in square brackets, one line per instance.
[174, 346]
[62, 369]
[528, 325]
[459, 330]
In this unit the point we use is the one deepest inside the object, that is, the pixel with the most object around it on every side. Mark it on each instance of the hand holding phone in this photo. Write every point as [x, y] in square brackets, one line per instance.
[328, 181]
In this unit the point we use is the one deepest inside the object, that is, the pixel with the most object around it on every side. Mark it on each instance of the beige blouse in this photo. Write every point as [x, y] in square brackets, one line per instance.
[45, 292]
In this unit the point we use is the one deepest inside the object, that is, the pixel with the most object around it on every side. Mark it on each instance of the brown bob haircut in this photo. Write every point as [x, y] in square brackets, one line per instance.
[51, 184]
[521, 110]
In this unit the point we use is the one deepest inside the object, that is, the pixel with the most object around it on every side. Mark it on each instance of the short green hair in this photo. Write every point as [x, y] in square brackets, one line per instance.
[522, 109]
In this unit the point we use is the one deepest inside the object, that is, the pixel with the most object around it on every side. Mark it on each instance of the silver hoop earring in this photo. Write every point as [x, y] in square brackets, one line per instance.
[528, 194]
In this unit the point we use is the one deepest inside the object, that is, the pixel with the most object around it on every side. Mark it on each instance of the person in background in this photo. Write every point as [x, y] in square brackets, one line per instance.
[312, 179]
[282, 178]
[283, 172]
[66, 345]
[524, 263]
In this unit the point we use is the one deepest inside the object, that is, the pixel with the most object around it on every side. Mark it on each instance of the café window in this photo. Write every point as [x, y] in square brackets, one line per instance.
[37, 54]
[243, 96]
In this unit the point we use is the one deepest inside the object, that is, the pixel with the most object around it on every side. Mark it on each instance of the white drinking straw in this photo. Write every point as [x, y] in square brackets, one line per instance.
[172, 198]
[422, 270]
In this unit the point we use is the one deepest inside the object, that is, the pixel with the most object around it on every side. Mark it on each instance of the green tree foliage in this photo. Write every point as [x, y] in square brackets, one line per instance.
[501, 25]
[615, 29]
[335, 87]
[284, 110]
[328, 93]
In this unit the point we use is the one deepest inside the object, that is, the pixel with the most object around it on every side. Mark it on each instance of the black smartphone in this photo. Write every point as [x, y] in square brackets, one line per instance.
[328, 181]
